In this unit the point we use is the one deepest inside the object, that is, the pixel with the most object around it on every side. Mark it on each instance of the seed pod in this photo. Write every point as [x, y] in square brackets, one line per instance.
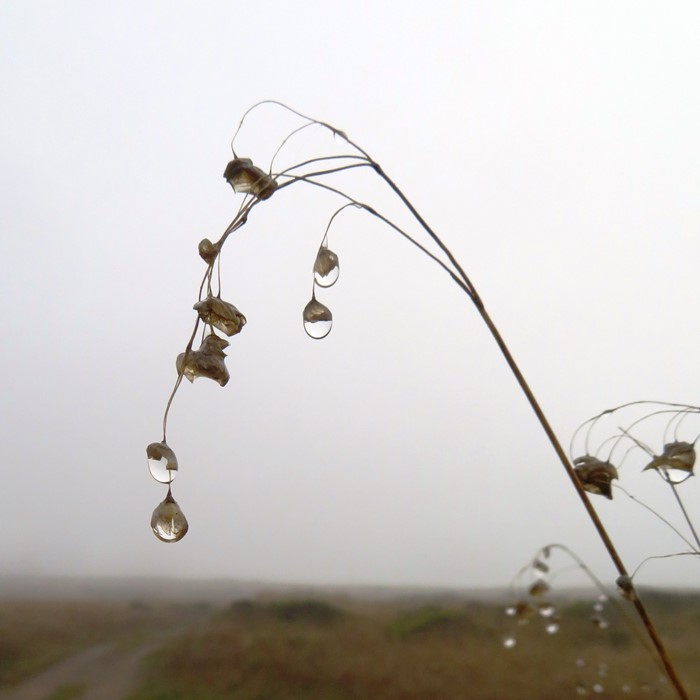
[220, 314]
[245, 177]
[595, 475]
[207, 362]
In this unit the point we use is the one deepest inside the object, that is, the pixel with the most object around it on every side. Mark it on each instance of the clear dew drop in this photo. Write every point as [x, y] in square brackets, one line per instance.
[160, 472]
[598, 688]
[600, 622]
[168, 522]
[626, 689]
[581, 690]
[326, 267]
[509, 642]
[599, 607]
[318, 320]
[552, 627]
[510, 611]
[580, 663]
[162, 462]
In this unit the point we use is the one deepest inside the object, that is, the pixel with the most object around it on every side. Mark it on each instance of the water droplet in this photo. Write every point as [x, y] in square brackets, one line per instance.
[626, 688]
[598, 607]
[552, 628]
[318, 319]
[580, 663]
[600, 622]
[510, 611]
[546, 609]
[168, 521]
[326, 267]
[581, 689]
[603, 598]
[509, 642]
[598, 688]
[162, 462]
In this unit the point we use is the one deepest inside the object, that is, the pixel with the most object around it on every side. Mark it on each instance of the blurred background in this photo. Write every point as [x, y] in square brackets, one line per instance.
[553, 146]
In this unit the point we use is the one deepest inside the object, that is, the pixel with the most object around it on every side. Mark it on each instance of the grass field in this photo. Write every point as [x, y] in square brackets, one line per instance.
[342, 649]
[317, 650]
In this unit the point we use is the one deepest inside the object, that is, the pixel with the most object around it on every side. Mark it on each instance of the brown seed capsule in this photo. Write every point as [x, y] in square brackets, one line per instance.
[676, 455]
[207, 362]
[595, 475]
[208, 251]
[245, 177]
[220, 314]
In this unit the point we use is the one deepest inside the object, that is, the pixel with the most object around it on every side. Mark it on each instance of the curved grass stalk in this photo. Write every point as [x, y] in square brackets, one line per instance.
[460, 277]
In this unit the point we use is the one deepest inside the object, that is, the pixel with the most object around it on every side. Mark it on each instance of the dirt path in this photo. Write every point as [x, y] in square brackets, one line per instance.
[104, 672]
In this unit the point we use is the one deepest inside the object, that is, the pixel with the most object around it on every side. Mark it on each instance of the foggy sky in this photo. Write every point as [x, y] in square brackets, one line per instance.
[554, 146]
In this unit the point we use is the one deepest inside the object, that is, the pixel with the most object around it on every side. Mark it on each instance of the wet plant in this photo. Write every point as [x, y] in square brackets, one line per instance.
[655, 438]
[215, 315]
[537, 608]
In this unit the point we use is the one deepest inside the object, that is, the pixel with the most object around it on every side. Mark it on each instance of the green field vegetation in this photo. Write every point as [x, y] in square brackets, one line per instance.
[33, 635]
[321, 650]
[341, 649]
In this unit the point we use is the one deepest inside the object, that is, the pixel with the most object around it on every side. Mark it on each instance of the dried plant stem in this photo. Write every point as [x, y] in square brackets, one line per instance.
[597, 523]
[554, 441]
[684, 511]
[460, 277]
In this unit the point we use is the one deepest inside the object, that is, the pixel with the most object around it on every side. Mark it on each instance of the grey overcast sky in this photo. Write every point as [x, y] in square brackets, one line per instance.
[555, 147]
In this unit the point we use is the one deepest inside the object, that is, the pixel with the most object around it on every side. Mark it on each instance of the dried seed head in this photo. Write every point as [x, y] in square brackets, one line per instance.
[595, 475]
[207, 362]
[220, 314]
[540, 566]
[208, 251]
[524, 611]
[538, 588]
[676, 455]
[245, 177]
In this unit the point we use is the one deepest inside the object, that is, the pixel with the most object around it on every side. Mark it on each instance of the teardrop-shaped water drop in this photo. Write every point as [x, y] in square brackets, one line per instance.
[318, 320]
[168, 522]
[326, 267]
[162, 462]
[552, 627]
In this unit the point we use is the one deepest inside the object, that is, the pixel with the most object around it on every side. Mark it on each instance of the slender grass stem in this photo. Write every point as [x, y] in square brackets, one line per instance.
[461, 278]
[681, 505]
[554, 441]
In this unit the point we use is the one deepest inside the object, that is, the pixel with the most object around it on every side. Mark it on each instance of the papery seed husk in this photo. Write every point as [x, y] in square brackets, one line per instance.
[315, 311]
[676, 455]
[220, 314]
[247, 178]
[207, 362]
[595, 475]
[326, 262]
[208, 251]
